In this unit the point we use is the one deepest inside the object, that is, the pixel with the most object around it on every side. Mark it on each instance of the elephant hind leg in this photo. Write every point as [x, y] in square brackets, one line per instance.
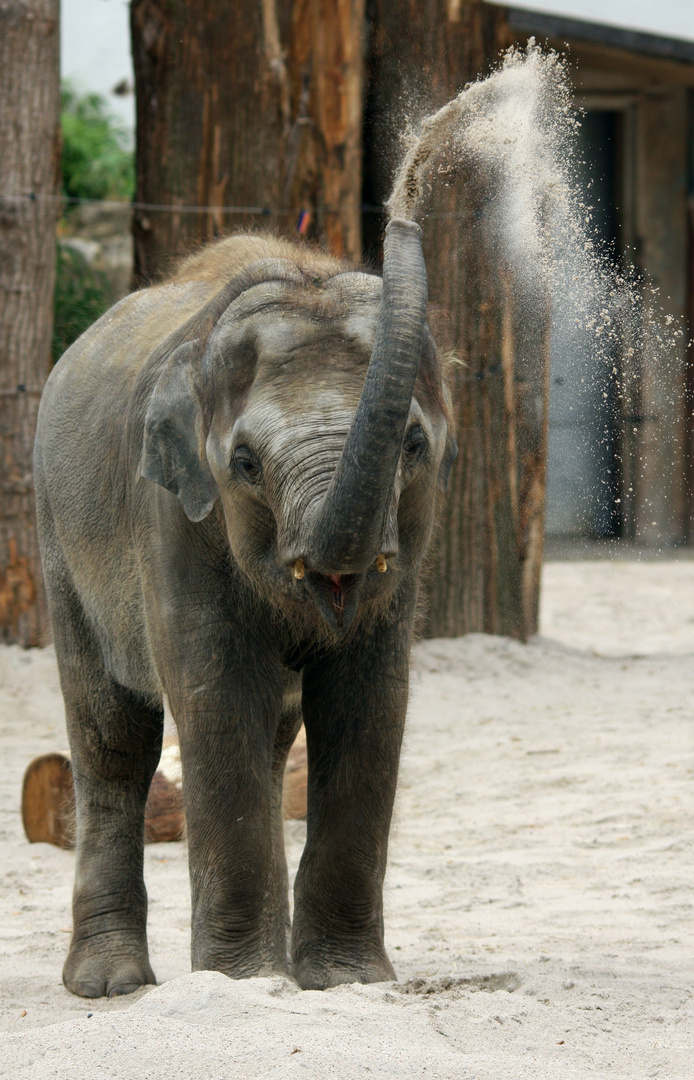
[115, 739]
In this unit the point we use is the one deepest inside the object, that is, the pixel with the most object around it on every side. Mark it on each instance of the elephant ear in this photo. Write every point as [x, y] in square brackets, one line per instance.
[171, 454]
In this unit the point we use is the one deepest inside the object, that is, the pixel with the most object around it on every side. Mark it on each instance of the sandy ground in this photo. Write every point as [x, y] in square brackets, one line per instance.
[539, 901]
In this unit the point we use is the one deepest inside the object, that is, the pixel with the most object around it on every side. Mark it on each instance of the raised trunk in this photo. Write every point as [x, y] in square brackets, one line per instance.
[30, 153]
[485, 567]
[351, 522]
[250, 106]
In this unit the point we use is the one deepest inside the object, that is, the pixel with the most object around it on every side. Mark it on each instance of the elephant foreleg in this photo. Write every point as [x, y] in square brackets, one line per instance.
[354, 710]
[232, 795]
[115, 739]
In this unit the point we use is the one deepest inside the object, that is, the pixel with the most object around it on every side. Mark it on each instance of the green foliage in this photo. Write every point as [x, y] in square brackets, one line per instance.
[97, 161]
[82, 294]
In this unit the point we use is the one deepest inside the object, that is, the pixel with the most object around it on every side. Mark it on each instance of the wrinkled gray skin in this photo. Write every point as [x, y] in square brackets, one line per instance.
[198, 440]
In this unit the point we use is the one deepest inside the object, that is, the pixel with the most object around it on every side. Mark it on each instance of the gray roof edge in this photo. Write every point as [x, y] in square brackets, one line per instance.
[556, 26]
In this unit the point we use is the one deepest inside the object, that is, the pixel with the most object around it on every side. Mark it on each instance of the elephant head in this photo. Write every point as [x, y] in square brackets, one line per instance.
[314, 411]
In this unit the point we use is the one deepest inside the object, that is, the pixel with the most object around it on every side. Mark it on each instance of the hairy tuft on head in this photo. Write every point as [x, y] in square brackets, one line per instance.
[226, 258]
[226, 261]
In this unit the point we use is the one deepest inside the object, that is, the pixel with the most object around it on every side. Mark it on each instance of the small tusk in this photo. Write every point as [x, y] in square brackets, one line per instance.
[381, 564]
[299, 569]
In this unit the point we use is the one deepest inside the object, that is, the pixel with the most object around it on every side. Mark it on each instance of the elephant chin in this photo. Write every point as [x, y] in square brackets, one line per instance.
[336, 596]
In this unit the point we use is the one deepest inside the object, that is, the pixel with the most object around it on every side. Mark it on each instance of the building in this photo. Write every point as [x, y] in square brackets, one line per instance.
[621, 465]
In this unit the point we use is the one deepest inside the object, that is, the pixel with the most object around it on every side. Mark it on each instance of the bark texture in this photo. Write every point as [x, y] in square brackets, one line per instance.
[30, 154]
[485, 566]
[326, 71]
[254, 106]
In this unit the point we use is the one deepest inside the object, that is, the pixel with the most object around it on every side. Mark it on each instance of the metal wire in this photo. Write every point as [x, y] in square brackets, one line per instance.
[113, 204]
[258, 211]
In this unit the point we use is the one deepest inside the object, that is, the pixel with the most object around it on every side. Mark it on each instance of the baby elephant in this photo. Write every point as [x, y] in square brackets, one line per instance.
[236, 476]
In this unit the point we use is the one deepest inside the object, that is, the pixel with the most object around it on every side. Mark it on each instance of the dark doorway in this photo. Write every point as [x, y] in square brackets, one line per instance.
[582, 481]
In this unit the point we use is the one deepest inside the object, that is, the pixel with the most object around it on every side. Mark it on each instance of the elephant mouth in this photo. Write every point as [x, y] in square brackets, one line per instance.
[337, 584]
[336, 596]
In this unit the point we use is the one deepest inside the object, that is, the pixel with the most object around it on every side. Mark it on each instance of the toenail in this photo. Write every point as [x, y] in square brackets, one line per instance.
[88, 990]
[123, 988]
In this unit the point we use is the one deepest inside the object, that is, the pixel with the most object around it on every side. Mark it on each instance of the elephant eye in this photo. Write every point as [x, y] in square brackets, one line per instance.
[415, 445]
[247, 465]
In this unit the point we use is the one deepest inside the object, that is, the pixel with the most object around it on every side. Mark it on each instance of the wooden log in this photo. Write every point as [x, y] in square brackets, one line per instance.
[48, 804]
[212, 121]
[164, 816]
[296, 779]
[48, 797]
[323, 155]
[48, 801]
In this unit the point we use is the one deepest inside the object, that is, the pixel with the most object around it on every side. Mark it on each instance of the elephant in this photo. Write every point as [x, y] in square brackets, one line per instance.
[237, 473]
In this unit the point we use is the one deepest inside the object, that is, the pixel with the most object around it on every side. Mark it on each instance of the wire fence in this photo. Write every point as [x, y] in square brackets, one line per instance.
[176, 208]
[250, 211]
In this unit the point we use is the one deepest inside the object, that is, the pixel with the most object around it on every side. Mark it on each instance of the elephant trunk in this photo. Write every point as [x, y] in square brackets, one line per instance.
[352, 520]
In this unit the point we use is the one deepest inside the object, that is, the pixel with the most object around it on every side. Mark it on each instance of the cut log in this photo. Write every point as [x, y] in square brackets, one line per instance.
[48, 796]
[296, 779]
[48, 804]
[48, 801]
[164, 816]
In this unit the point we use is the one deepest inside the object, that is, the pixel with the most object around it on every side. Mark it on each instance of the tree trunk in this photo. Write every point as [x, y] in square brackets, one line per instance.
[255, 106]
[485, 565]
[326, 70]
[30, 154]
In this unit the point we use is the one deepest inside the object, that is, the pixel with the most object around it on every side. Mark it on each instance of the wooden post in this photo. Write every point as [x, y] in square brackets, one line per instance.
[212, 121]
[30, 155]
[326, 68]
[660, 509]
[485, 565]
[246, 105]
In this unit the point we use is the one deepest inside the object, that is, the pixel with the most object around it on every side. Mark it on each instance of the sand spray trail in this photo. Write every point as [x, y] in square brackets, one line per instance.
[517, 132]
[516, 128]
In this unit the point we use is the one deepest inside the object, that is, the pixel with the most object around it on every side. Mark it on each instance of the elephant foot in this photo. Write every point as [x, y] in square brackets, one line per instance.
[316, 967]
[107, 965]
[238, 967]
[241, 956]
